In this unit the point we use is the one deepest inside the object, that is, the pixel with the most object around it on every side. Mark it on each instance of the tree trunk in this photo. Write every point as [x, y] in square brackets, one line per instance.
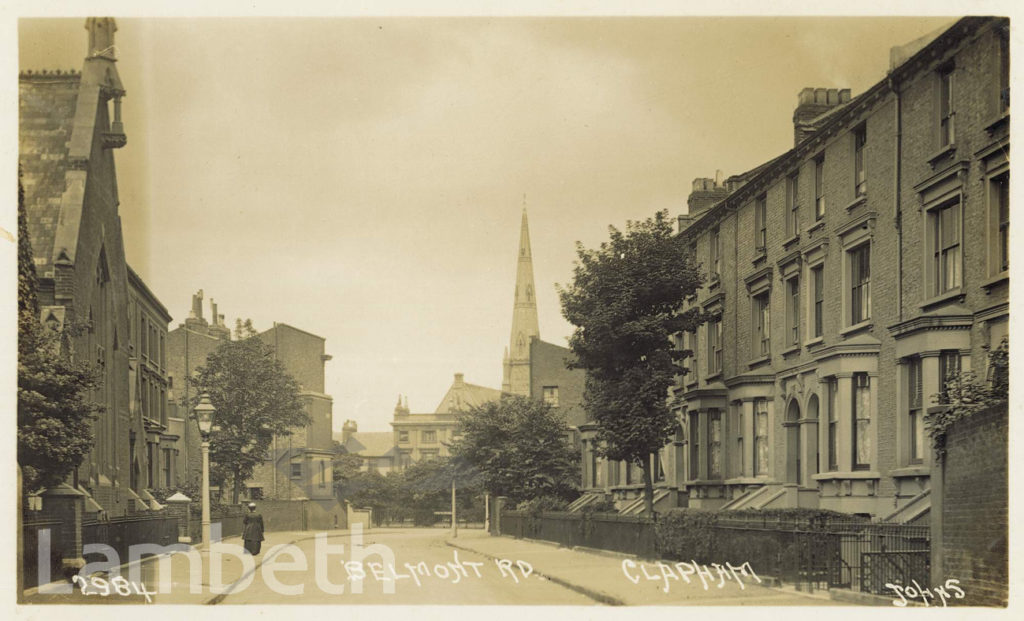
[237, 485]
[648, 488]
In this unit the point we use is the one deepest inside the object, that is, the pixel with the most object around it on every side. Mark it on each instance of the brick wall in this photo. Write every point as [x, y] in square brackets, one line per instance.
[974, 508]
[547, 368]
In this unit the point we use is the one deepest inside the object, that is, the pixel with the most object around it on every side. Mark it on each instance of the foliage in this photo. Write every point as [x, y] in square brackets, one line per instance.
[55, 408]
[418, 493]
[543, 504]
[255, 399]
[757, 535]
[375, 491]
[626, 301]
[521, 448]
[964, 394]
[605, 505]
[345, 467]
[193, 489]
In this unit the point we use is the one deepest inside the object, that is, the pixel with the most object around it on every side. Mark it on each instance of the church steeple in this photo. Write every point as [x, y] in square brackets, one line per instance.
[525, 326]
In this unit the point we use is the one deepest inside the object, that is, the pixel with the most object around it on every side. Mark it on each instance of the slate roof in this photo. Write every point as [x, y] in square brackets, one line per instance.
[46, 106]
[465, 396]
[369, 443]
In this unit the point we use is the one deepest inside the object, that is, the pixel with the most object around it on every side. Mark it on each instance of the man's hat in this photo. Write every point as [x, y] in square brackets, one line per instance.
[252, 505]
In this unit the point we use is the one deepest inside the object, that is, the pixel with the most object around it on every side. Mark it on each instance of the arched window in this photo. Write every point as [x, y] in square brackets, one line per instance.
[814, 414]
[793, 461]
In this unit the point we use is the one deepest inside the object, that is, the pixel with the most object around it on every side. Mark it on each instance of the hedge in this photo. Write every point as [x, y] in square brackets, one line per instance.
[765, 536]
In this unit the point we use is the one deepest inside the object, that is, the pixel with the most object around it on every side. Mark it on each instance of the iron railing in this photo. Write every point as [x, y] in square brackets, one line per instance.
[620, 533]
[30, 560]
[120, 533]
[810, 554]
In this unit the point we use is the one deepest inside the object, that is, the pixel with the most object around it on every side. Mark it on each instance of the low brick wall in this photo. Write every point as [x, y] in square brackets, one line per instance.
[974, 507]
[279, 515]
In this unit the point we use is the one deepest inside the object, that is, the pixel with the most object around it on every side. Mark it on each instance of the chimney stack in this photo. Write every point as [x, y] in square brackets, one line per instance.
[706, 192]
[459, 379]
[811, 104]
[347, 430]
[685, 221]
[197, 304]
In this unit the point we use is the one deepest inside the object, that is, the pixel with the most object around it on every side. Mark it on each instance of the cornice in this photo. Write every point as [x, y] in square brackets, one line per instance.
[904, 329]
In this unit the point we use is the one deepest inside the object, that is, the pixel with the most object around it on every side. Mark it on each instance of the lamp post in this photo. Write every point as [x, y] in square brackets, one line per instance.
[455, 525]
[204, 416]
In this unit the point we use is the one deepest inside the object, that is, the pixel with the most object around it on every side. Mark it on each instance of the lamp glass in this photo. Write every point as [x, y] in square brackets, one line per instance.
[204, 414]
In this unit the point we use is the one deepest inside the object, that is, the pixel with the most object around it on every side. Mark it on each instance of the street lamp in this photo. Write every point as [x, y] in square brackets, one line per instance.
[204, 417]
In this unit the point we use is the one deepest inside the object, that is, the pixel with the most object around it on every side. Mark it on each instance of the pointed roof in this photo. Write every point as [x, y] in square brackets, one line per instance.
[524, 311]
[462, 395]
[61, 118]
[369, 443]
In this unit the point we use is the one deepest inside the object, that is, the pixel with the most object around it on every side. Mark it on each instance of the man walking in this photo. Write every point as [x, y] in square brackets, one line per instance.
[252, 530]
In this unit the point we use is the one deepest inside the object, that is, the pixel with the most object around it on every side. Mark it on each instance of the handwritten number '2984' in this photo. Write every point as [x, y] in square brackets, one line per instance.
[117, 585]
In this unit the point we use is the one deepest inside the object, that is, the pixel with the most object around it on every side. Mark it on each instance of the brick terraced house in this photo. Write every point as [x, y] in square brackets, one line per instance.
[846, 277]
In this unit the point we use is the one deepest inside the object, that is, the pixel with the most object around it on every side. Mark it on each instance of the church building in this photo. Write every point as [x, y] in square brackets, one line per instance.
[532, 367]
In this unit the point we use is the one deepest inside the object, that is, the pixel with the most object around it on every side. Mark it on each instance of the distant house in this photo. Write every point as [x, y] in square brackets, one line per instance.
[376, 448]
[415, 437]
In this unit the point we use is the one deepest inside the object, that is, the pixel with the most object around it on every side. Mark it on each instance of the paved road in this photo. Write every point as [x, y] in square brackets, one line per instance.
[424, 570]
[422, 566]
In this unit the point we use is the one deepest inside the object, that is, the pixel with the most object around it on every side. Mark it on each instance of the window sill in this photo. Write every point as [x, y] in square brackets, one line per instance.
[760, 254]
[744, 481]
[792, 350]
[818, 340]
[995, 280]
[942, 299]
[859, 475]
[995, 125]
[915, 470]
[947, 151]
[714, 282]
[759, 361]
[857, 202]
[855, 328]
[820, 224]
[792, 240]
[713, 376]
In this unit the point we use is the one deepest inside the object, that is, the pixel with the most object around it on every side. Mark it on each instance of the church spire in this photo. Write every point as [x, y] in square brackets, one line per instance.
[524, 318]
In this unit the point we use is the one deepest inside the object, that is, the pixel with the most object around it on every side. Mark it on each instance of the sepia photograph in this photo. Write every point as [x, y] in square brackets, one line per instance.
[613, 306]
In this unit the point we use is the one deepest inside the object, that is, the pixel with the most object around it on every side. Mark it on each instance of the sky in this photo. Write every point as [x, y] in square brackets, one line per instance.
[363, 178]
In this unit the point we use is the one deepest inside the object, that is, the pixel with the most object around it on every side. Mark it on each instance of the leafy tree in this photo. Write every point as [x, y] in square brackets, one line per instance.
[963, 394]
[626, 301]
[380, 493]
[255, 399]
[521, 448]
[345, 466]
[55, 407]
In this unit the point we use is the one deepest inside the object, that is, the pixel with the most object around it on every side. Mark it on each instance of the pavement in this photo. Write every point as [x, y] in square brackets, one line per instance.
[418, 567]
[620, 579]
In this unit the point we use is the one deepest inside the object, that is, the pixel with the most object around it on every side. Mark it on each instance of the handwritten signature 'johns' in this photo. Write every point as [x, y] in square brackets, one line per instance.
[915, 591]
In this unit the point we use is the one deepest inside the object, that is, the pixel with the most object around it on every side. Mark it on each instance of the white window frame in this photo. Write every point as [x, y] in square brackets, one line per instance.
[793, 204]
[793, 310]
[945, 106]
[938, 274]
